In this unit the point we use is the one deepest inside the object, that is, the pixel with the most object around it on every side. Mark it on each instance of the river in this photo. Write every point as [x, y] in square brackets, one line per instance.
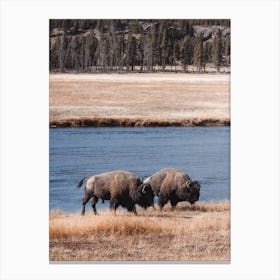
[202, 152]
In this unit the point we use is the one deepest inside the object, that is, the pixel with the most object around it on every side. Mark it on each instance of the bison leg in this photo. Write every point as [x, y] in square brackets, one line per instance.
[173, 203]
[114, 205]
[132, 208]
[162, 200]
[85, 201]
[93, 203]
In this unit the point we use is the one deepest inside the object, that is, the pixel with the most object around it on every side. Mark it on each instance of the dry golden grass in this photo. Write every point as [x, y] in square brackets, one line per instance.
[188, 233]
[150, 96]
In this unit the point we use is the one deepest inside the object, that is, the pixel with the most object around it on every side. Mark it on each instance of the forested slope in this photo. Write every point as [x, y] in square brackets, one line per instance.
[138, 45]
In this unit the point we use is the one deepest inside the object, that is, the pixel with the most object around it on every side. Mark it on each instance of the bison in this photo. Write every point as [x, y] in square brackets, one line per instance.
[174, 185]
[120, 187]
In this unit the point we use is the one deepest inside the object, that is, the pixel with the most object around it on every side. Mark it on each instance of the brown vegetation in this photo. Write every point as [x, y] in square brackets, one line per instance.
[189, 233]
[158, 99]
[111, 122]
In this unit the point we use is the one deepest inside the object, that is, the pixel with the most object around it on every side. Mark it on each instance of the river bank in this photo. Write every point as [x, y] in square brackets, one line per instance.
[111, 122]
[139, 99]
[189, 233]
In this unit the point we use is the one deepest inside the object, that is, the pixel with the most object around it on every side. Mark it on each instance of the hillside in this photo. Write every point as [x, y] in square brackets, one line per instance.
[139, 45]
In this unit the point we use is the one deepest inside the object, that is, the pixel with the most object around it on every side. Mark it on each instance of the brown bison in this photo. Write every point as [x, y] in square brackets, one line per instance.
[120, 187]
[174, 185]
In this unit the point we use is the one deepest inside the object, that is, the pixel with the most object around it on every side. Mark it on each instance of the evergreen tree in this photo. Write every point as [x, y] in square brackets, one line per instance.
[101, 52]
[141, 50]
[186, 52]
[226, 50]
[130, 52]
[61, 53]
[199, 57]
[155, 45]
[148, 51]
[121, 51]
[114, 45]
[218, 48]
[208, 52]
[176, 53]
[100, 25]
[92, 45]
[170, 57]
[164, 49]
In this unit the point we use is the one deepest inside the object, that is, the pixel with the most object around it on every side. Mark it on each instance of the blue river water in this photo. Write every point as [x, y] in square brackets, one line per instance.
[202, 152]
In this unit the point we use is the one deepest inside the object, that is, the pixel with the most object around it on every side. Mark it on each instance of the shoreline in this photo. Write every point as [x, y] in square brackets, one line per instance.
[125, 122]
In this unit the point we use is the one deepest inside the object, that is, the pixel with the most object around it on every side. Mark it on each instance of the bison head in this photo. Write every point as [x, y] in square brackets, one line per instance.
[192, 189]
[145, 195]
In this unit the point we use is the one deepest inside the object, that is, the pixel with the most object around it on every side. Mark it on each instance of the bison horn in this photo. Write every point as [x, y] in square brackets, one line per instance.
[144, 189]
[144, 177]
[188, 185]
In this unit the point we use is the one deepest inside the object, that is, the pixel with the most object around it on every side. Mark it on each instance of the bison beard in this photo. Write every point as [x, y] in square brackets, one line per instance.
[148, 199]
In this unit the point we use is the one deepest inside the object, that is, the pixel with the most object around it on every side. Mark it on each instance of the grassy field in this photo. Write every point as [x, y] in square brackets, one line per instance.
[189, 233]
[140, 99]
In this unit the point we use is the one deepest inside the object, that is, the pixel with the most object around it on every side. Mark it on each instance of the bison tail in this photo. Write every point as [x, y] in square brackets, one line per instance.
[81, 182]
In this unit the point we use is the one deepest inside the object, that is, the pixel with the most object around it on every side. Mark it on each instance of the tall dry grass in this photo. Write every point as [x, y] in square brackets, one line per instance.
[200, 232]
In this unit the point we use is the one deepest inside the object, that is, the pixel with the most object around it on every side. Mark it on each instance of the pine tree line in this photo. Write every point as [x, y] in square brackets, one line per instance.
[136, 45]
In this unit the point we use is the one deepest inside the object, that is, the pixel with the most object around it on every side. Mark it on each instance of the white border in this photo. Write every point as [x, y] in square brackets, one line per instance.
[255, 138]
